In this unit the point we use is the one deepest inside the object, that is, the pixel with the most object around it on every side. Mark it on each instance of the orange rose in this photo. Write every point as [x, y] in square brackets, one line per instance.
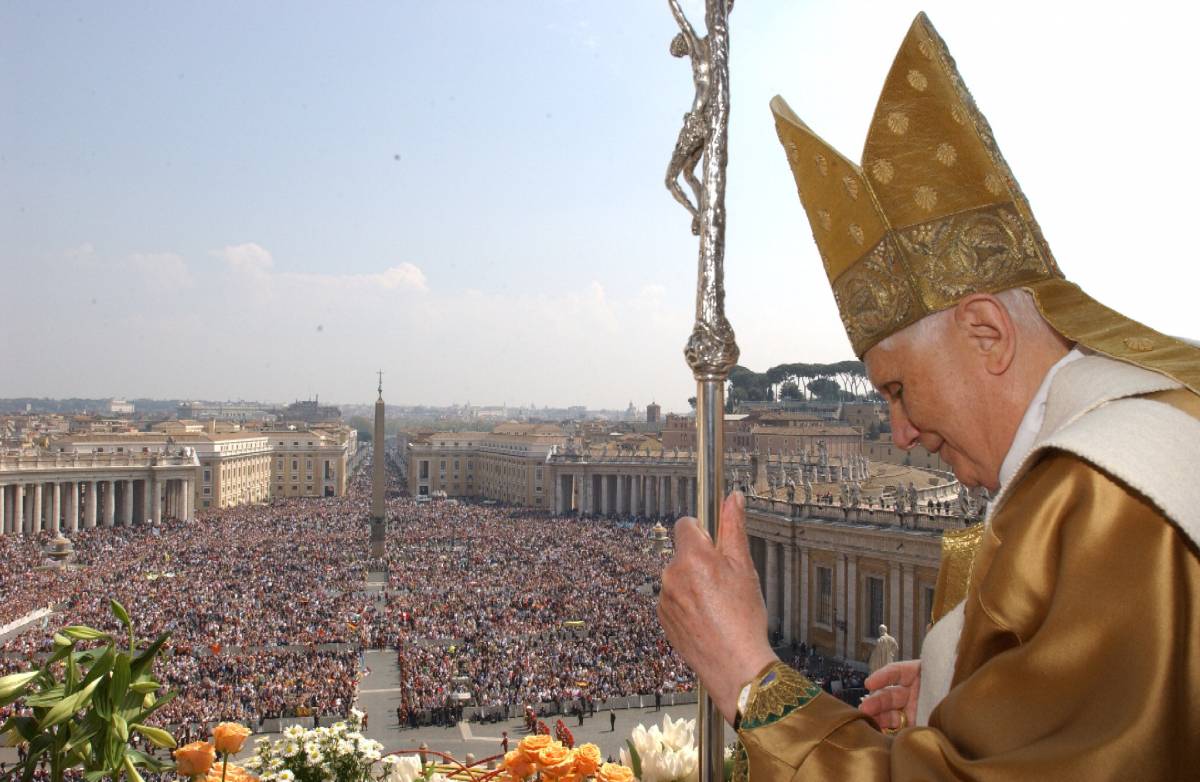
[229, 737]
[195, 759]
[587, 760]
[232, 774]
[531, 745]
[555, 760]
[517, 764]
[615, 772]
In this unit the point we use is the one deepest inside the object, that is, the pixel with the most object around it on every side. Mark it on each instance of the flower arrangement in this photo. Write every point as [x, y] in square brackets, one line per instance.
[339, 753]
[84, 706]
[667, 753]
[197, 761]
[551, 761]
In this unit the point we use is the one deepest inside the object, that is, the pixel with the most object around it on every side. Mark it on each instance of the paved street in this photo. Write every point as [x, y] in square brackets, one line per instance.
[379, 695]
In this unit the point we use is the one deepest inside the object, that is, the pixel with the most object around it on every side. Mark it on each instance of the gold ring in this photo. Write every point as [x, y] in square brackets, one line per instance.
[903, 720]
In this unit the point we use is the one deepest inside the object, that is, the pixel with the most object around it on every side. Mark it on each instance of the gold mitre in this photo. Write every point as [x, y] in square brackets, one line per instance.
[934, 214]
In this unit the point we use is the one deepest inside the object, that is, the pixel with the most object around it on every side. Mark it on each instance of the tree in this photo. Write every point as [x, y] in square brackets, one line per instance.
[790, 390]
[825, 389]
[692, 402]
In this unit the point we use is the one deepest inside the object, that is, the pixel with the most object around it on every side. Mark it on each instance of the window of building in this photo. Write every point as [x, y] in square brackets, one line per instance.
[825, 596]
[874, 606]
[424, 473]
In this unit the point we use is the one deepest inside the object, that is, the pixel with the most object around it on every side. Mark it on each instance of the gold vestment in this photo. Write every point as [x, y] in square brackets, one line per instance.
[1077, 658]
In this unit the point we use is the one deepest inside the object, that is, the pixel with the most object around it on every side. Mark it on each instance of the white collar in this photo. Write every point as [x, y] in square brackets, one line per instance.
[1031, 423]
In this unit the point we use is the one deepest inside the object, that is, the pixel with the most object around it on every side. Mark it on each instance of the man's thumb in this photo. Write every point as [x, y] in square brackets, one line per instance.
[731, 534]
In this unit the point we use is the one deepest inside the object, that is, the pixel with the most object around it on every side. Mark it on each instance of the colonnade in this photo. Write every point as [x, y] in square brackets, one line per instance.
[831, 581]
[624, 494]
[54, 505]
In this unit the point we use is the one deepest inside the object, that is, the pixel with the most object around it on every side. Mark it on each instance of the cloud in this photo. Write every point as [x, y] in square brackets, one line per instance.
[160, 269]
[249, 257]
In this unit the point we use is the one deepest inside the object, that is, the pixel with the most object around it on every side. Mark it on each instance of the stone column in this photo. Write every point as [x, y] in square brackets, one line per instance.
[4, 514]
[189, 500]
[55, 508]
[156, 501]
[893, 607]
[805, 592]
[839, 605]
[621, 495]
[38, 508]
[691, 496]
[852, 608]
[772, 579]
[127, 504]
[89, 506]
[147, 485]
[789, 593]
[605, 480]
[664, 489]
[110, 504]
[908, 613]
[71, 522]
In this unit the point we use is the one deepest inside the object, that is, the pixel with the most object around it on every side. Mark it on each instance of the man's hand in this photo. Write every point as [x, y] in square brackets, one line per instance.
[894, 691]
[711, 606]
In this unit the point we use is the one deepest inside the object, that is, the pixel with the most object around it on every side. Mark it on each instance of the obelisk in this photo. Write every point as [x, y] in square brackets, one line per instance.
[378, 482]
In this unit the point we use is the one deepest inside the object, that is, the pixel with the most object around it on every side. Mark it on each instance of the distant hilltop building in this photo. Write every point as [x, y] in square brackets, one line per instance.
[310, 412]
[225, 411]
[653, 413]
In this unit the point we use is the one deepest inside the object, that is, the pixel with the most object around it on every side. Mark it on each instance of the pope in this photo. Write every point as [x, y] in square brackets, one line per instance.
[1066, 647]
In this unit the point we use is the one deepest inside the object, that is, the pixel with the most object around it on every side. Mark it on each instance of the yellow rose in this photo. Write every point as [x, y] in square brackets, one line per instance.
[517, 764]
[555, 760]
[530, 746]
[587, 760]
[195, 759]
[229, 737]
[615, 772]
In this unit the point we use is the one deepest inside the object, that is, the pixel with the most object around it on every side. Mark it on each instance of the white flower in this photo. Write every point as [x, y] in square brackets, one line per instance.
[314, 755]
[345, 747]
[276, 764]
[356, 716]
[286, 776]
[253, 763]
[293, 732]
[291, 749]
[405, 768]
[667, 754]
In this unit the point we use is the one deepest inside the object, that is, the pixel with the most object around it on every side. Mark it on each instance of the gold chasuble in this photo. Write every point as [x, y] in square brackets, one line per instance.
[1078, 656]
[1077, 659]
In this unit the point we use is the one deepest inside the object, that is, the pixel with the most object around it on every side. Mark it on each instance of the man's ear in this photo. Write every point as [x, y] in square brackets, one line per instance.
[984, 324]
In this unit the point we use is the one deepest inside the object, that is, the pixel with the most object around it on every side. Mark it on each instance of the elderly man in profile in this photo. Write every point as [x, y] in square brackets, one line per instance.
[1066, 624]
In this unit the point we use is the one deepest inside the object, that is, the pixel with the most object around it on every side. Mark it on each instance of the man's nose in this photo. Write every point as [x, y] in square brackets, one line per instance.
[904, 434]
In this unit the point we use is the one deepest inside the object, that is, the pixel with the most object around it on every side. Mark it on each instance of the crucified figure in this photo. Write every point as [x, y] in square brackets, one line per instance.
[689, 147]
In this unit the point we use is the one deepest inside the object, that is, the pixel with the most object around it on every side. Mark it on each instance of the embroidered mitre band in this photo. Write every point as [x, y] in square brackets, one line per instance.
[934, 214]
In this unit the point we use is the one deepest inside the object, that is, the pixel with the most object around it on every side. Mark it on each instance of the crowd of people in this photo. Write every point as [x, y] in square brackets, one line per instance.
[267, 606]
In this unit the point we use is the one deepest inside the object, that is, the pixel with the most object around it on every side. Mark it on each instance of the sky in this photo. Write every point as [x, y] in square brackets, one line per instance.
[272, 201]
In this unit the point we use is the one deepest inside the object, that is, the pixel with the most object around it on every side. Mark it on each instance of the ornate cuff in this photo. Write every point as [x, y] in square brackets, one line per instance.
[776, 692]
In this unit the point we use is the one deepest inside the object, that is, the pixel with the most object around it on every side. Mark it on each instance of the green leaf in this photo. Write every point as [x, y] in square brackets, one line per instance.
[143, 660]
[95, 776]
[68, 706]
[120, 680]
[134, 776]
[158, 737]
[24, 727]
[15, 683]
[144, 686]
[635, 760]
[82, 633]
[120, 612]
[101, 667]
[46, 697]
[120, 727]
[62, 640]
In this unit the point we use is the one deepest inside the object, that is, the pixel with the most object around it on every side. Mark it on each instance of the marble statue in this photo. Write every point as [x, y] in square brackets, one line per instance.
[885, 652]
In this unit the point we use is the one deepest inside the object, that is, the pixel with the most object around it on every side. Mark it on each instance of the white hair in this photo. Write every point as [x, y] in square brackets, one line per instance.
[1019, 303]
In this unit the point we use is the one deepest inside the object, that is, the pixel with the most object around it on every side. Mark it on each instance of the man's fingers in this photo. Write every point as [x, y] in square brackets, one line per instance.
[688, 533]
[885, 700]
[903, 673]
[731, 533]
